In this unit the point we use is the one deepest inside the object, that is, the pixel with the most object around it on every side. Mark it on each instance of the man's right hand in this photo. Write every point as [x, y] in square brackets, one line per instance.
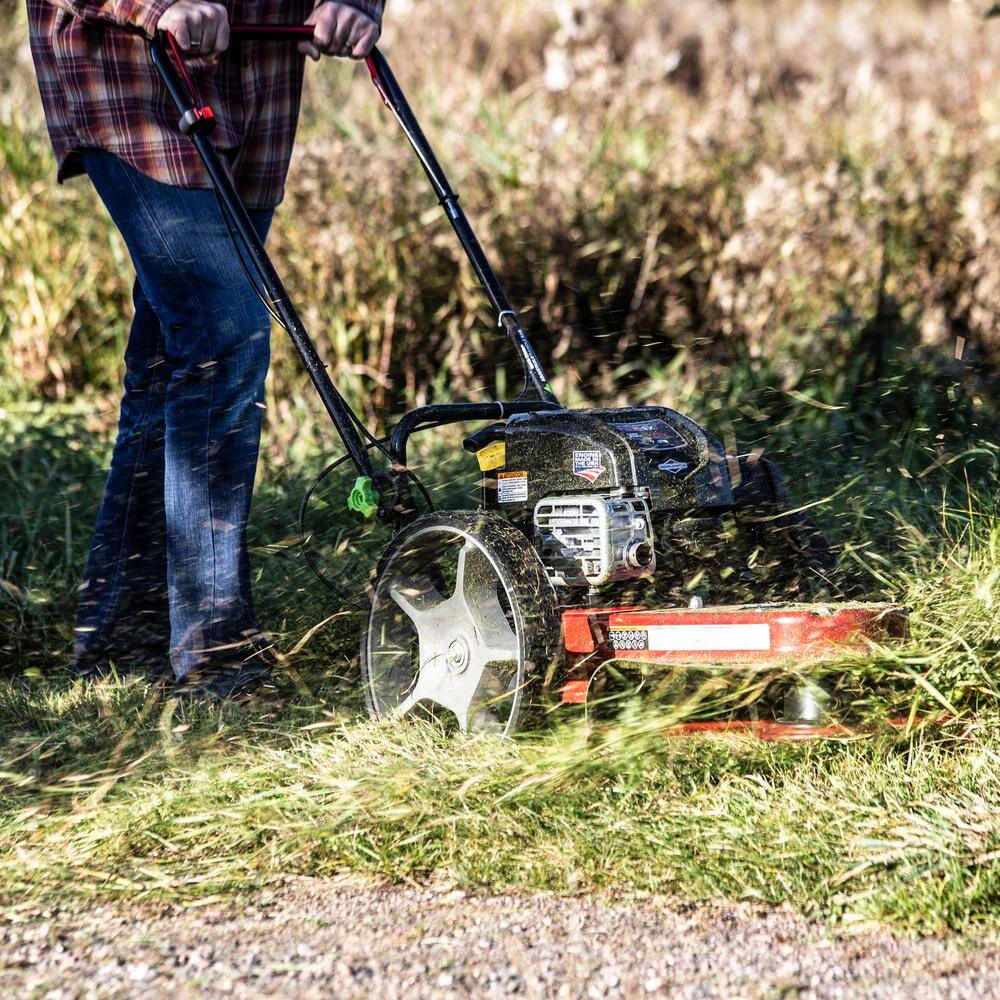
[201, 28]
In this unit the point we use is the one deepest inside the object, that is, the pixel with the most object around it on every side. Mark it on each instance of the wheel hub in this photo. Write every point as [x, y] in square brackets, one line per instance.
[458, 654]
[462, 639]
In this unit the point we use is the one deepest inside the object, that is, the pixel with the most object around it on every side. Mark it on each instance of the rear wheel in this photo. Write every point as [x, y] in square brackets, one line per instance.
[461, 627]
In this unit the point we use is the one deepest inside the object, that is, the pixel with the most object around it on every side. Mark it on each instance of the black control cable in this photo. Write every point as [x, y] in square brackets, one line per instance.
[304, 534]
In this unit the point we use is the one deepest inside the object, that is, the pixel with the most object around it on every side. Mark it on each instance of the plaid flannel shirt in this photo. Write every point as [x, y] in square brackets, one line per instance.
[100, 91]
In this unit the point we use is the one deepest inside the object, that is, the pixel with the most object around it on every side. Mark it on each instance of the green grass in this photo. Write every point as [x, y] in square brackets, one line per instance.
[115, 790]
[808, 269]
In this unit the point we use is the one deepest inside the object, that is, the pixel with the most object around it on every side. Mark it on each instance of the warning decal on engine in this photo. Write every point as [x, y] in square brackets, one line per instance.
[691, 638]
[512, 487]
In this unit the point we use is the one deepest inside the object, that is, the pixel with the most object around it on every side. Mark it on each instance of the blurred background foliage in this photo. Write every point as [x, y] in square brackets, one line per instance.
[807, 189]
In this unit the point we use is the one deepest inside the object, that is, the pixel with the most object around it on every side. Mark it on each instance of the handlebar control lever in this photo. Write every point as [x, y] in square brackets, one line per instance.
[197, 121]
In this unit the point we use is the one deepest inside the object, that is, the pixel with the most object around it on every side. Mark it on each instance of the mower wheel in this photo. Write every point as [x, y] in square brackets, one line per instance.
[462, 625]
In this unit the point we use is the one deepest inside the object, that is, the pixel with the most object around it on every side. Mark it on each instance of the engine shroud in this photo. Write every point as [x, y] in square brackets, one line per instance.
[650, 452]
[588, 541]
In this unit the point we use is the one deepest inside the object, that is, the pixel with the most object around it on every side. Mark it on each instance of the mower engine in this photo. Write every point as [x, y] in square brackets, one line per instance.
[616, 496]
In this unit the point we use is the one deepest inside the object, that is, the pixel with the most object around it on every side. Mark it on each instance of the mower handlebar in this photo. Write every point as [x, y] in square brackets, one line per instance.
[272, 32]
[197, 121]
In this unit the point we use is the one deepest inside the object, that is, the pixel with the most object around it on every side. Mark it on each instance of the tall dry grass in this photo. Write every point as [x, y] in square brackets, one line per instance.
[813, 185]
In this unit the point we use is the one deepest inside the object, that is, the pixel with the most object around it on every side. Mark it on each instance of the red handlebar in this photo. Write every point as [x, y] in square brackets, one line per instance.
[295, 33]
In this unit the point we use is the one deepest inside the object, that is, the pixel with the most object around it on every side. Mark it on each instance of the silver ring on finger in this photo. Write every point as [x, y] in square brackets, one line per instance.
[195, 43]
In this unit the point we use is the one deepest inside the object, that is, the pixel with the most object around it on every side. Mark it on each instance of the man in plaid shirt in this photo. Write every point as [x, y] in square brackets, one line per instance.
[168, 577]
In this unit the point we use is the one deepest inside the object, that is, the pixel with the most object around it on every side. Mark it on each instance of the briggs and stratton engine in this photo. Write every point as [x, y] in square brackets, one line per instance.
[588, 486]
[648, 452]
[624, 496]
[587, 541]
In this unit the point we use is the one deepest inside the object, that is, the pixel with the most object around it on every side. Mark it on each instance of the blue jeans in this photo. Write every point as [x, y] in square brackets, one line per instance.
[168, 572]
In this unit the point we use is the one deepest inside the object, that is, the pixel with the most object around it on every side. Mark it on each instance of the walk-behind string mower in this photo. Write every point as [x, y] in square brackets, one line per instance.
[592, 526]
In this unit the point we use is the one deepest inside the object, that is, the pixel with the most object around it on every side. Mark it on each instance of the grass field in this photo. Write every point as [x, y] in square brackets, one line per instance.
[796, 249]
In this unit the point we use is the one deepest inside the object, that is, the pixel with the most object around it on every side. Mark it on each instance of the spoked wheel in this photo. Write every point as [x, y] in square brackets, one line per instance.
[461, 625]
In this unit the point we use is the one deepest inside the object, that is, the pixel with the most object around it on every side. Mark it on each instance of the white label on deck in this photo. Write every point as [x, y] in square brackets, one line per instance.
[729, 638]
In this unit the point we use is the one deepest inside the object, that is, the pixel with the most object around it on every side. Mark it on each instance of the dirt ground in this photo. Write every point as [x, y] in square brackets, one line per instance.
[315, 938]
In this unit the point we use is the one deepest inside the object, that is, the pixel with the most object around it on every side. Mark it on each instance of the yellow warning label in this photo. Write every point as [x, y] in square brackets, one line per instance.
[492, 456]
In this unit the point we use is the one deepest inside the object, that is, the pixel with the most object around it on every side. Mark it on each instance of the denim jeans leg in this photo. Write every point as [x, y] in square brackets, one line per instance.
[214, 407]
[122, 616]
[216, 343]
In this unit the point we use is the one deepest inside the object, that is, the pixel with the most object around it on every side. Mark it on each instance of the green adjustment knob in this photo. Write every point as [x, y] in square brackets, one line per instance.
[363, 499]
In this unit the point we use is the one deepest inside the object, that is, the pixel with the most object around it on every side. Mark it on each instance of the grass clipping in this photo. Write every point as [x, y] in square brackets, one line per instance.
[114, 789]
[903, 829]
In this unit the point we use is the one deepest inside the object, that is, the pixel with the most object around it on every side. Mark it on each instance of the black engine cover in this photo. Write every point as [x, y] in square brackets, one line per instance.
[647, 451]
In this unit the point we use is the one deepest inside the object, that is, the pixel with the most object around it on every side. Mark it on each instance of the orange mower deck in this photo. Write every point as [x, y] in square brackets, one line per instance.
[745, 636]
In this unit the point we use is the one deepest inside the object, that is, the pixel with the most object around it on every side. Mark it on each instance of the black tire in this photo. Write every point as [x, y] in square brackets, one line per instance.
[410, 586]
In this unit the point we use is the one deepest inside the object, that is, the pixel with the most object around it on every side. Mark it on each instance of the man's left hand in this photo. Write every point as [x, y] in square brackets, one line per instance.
[340, 30]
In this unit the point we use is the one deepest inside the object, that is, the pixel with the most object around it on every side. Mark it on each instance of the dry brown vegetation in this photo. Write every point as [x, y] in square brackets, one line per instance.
[813, 184]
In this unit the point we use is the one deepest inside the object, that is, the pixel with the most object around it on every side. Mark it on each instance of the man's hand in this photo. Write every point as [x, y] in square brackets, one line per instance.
[201, 28]
[340, 30]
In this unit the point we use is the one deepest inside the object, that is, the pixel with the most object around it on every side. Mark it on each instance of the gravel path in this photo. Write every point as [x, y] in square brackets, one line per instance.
[317, 939]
